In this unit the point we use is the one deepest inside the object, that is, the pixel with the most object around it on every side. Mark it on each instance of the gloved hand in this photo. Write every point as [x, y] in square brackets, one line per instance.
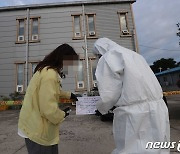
[67, 111]
[74, 97]
[97, 113]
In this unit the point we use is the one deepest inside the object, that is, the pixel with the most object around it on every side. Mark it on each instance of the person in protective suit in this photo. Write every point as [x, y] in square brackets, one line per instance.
[126, 81]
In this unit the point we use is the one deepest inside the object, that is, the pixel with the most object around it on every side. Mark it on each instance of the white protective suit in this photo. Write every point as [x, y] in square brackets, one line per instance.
[126, 81]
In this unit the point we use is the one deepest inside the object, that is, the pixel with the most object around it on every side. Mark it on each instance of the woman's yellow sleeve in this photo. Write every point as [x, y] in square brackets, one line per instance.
[49, 98]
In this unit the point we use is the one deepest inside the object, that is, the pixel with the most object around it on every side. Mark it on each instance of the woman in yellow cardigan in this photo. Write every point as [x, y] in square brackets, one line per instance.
[40, 115]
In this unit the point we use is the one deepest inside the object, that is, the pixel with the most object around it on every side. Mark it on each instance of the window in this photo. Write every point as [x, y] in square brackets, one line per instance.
[20, 77]
[80, 75]
[20, 30]
[93, 63]
[77, 26]
[123, 23]
[34, 29]
[91, 27]
[33, 66]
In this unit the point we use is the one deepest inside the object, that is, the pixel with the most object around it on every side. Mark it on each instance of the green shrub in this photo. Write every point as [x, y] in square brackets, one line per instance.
[4, 98]
[16, 96]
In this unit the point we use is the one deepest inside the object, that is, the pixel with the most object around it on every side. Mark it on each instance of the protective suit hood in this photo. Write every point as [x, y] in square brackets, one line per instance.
[107, 48]
[103, 45]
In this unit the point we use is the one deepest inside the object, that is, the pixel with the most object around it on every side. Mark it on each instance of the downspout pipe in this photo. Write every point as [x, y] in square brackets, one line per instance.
[134, 32]
[27, 51]
[86, 50]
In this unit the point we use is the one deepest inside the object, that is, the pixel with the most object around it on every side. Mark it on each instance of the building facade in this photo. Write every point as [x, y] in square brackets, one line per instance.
[29, 32]
[168, 79]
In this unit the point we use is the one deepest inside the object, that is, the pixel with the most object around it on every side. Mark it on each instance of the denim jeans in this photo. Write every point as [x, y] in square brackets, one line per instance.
[35, 148]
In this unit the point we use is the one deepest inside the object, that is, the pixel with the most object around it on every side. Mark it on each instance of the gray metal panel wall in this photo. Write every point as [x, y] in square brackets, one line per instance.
[9, 51]
[55, 29]
[107, 23]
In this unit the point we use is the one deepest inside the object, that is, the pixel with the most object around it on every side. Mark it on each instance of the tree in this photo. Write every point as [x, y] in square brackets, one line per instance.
[178, 63]
[163, 64]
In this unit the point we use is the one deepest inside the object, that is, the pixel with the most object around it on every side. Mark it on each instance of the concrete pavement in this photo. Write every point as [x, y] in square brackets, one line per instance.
[79, 134]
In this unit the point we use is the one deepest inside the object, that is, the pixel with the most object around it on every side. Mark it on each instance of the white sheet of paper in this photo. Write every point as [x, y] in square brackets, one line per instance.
[86, 105]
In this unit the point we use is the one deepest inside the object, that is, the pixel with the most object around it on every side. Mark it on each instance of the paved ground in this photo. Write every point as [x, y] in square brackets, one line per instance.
[79, 134]
[174, 113]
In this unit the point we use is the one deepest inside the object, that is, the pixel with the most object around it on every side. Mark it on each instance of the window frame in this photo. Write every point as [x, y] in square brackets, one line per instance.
[91, 59]
[124, 12]
[16, 76]
[31, 69]
[17, 30]
[84, 81]
[31, 29]
[80, 26]
[87, 25]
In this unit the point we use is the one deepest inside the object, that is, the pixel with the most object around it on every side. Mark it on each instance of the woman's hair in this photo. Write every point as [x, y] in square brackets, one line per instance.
[55, 59]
